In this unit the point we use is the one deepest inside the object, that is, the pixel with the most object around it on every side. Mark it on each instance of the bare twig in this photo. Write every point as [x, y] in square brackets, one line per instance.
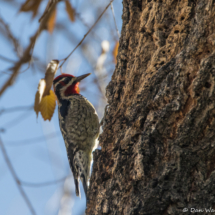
[16, 178]
[16, 121]
[42, 184]
[115, 20]
[7, 59]
[11, 37]
[14, 109]
[86, 25]
[64, 60]
[33, 140]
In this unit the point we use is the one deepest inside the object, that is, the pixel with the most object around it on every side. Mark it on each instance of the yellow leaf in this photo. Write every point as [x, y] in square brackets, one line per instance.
[51, 21]
[47, 106]
[38, 96]
[45, 98]
[31, 5]
[115, 51]
[70, 11]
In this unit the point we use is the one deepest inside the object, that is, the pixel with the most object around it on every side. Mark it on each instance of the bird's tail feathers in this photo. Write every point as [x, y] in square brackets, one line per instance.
[83, 180]
[81, 170]
[74, 165]
[77, 190]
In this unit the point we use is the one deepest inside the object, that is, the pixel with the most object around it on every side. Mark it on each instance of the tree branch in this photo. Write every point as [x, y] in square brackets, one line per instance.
[29, 50]
[24, 59]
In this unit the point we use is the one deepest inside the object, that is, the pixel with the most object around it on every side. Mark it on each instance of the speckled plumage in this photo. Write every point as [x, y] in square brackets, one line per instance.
[79, 125]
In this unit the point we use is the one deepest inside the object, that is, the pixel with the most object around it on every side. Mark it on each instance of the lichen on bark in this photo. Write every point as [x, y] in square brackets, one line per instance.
[158, 154]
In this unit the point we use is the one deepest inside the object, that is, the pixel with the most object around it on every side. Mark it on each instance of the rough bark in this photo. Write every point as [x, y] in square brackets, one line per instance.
[158, 154]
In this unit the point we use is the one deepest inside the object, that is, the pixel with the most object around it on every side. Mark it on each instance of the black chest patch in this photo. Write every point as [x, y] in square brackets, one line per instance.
[65, 104]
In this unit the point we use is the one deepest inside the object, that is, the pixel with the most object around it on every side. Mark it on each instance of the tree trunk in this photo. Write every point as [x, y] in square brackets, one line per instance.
[158, 140]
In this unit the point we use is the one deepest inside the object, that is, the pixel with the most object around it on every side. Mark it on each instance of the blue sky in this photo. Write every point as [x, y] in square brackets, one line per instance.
[35, 147]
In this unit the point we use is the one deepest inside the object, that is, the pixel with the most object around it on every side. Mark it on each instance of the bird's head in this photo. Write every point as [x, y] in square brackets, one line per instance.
[66, 85]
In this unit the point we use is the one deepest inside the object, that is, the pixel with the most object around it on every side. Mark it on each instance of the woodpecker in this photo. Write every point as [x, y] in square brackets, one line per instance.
[79, 125]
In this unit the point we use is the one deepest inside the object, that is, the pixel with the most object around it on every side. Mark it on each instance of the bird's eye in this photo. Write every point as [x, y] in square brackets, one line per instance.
[62, 83]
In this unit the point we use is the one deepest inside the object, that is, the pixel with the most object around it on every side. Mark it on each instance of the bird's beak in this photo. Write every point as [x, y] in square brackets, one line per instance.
[79, 78]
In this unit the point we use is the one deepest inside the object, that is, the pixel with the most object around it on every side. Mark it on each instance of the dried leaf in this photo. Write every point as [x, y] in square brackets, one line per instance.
[31, 5]
[38, 96]
[49, 76]
[115, 51]
[47, 106]
[70, 11]
[45, 98]
[51, 21]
